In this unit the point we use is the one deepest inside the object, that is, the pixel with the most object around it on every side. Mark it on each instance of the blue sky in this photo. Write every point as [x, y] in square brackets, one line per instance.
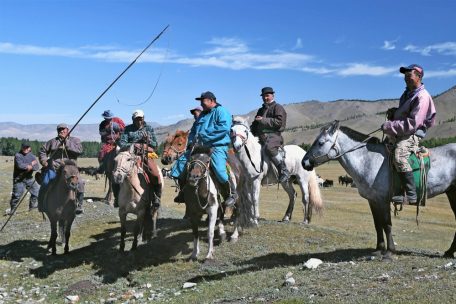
[56, 57]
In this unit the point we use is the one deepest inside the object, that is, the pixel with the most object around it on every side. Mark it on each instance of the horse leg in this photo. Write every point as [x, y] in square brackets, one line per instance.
[194, 222]
[452, 198]
[123, 229]
[382, 220]
[212, 215]
[68, 224]
[256, 199]
[221, 229]
[62, 231]
[53, 238]
[305, 201]
[154, 222]
[147, 224]
[378, 228]
[287, 186]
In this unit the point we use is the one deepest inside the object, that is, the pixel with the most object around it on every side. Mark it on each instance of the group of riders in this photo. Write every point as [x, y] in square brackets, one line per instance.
[405, 126]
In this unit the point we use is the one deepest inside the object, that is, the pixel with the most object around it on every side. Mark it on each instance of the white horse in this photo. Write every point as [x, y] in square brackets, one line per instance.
[201, 196]
[135, 197]
[258, 170]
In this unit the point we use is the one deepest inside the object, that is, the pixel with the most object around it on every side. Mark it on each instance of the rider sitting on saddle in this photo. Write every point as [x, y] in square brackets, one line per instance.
[143, 137]
[110, 130]
[268, 125]
[408, 124]
[212, 129]
[52, 155]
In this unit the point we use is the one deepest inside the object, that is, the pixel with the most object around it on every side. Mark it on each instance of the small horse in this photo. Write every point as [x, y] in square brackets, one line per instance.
[201, 196]
[259, 170]
[60, 200]
[135, 196]
[367, 161]
[175, 146]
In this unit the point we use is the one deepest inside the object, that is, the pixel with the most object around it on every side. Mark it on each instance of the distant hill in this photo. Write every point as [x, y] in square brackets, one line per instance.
[303, 123]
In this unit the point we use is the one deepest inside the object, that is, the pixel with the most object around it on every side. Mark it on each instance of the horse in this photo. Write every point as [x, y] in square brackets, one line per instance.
[60, 202]
[258, 169]
[175, 146]
[113, 188]
[366, 159]
[134, 197]
[202, 196]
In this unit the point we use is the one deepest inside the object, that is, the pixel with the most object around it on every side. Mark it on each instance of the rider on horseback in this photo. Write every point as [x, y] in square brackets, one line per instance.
[407, 124]
[143, 137]
[268, 125]
[110, 130]
[52, 155]
[212, 129]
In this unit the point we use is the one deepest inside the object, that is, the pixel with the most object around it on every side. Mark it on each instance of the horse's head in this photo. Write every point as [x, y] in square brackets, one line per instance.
[198, 165]
[123, 165]
[175, 145]
[239, 132]
[70, 172]
[324, 147]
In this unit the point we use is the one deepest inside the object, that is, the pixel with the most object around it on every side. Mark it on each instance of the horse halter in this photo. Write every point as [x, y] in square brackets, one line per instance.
[326, 157]
[204, 166]
[243, 138]
[175, 150]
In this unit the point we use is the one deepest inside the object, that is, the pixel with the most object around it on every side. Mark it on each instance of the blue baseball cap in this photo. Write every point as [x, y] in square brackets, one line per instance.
[107, 114]
[208, 95]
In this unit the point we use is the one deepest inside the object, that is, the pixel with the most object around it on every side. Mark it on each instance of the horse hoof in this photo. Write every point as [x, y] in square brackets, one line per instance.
[223, 237]
[193, 258]
[233, 240]
[448, 255]
[387, 257]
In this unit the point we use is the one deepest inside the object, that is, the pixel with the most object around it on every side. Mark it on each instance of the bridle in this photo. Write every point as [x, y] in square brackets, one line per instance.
[205, 169]
[175, 150]
[244, 139]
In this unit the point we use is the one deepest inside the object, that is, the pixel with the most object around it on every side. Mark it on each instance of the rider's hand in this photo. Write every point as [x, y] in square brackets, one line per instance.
[390, 113]
[257, 118]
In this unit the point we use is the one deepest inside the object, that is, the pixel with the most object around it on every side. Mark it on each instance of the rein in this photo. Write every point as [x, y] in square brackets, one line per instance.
[335, 148]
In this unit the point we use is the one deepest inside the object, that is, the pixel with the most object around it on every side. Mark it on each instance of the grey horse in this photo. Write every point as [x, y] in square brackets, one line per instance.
[366, 160]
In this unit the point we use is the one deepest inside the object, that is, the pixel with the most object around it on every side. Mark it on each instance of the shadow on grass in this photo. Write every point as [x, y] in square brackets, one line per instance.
[274, 260]
[103, 252]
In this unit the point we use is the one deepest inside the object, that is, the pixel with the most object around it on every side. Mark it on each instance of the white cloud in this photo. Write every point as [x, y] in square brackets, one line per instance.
[357, 69]
[440, 74]
[298, 44]
[389, 45]
[445, 48]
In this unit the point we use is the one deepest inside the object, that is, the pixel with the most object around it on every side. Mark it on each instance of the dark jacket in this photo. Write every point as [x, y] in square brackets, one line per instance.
[21, 161]
[71, 149]
[274, 119]
[133, 135]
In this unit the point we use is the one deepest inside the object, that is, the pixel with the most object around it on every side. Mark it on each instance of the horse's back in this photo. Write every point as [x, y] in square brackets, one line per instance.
[442, 173]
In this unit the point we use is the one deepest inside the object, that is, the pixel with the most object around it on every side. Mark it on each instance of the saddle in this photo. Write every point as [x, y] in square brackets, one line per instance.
[421, 163]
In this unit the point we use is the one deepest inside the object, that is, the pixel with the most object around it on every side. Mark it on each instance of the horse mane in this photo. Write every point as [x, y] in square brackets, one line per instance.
[201, 150]
[181, 133]
[358, 136]
[69, 162]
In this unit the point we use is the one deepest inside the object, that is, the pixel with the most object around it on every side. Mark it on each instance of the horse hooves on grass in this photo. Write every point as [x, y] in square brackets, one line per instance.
[233, 240]
[448, 255]
[223, 237]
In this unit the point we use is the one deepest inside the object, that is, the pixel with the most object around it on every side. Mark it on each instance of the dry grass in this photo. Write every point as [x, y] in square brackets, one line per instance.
[251, 270]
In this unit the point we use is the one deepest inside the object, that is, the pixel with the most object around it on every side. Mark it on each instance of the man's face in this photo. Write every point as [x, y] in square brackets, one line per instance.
[138, 122]
[208, 103]
[268, 97]
[26, 150]
[196, 114]
[412, 79]
[62, 132]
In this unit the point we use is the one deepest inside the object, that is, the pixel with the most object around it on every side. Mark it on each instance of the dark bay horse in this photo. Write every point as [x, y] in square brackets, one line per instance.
[135, 196]
[175, 146]
[366, 160]
[60, 200]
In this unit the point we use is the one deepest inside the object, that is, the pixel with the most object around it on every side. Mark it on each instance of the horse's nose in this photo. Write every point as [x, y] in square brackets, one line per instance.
[306, 164]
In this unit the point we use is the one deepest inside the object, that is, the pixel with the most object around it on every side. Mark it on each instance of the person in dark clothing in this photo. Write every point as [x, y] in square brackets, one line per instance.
[25, 163]
[269, 123]
[52, 155]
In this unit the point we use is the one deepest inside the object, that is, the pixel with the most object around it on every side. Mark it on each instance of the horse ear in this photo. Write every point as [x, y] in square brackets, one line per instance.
[334, 127]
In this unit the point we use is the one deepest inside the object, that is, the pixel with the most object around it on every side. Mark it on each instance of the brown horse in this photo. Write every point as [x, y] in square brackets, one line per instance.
[135, 196]
[175, 146]
[60, 200]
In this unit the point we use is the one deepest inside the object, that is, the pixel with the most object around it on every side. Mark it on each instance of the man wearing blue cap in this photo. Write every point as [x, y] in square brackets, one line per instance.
[406, 125]
[212, 129]
[25, 164]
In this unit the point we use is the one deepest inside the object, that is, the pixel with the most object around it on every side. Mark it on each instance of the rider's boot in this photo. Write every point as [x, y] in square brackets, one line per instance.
[408, 183]
[229, 193]
[279, 162]
[79, 201]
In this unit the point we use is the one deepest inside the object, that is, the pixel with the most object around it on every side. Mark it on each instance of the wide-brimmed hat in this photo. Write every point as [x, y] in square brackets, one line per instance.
[107, 114]
[208, 95]
[412, 67]
[267, 90]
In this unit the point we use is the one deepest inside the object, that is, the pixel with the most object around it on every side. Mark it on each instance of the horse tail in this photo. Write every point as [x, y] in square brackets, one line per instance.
[315, 199]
